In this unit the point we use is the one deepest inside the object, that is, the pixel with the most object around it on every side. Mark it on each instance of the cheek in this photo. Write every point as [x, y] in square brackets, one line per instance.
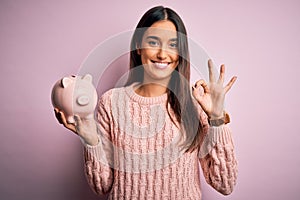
[147, 54]
[175, 58]
[175, 64]
[173, 55]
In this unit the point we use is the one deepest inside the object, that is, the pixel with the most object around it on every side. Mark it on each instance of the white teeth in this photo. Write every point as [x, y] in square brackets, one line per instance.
[161, 65]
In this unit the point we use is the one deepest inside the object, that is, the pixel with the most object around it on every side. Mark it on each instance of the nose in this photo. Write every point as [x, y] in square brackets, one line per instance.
[162, 54]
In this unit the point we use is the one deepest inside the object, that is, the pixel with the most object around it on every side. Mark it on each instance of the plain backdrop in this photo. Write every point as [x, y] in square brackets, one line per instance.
[42, 41]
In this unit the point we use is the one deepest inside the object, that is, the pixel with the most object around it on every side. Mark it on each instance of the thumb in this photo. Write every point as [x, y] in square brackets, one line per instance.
[77, 124]
[78, 121]
[197, 93]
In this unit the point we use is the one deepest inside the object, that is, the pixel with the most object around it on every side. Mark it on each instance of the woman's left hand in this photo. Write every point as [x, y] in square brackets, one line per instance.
[211, 98]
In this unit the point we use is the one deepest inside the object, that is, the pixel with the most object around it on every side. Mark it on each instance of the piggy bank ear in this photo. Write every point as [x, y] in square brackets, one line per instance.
[88, 77]
[65, 82]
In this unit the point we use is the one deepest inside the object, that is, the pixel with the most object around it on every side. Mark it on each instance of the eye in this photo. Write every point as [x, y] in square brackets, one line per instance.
[173, 45]
[153, 43]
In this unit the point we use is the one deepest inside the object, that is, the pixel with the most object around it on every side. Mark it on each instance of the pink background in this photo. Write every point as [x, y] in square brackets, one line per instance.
[42, 41]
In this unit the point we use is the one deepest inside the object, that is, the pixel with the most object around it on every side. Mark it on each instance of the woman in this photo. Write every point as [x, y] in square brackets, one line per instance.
[151, 134]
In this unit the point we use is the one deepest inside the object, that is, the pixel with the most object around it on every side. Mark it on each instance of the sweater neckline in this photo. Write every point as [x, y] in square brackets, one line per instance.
[130, 90]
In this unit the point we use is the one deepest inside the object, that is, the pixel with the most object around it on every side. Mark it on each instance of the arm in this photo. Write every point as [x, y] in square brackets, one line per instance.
[95, 135]
[217, 157]
[98, 158]
[99, 175]
[216, 152]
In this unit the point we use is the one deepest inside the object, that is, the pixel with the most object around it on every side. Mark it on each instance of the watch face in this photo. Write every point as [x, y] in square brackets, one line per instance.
[217, 122]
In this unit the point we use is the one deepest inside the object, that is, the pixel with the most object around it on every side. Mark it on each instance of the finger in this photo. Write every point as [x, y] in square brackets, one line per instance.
[222, 74]
[211, 71]
[197, 96]
[229, 85]
[56, 110]
[197, 93]
[203, 84]
[78, 121]
[63, 118]
[57, 115]
[66, 124]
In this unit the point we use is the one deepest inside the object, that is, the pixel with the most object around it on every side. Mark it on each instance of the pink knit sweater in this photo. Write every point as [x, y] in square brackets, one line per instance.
[138, 156]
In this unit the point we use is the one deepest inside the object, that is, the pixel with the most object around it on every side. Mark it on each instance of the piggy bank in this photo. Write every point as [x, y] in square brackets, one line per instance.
[75, 95]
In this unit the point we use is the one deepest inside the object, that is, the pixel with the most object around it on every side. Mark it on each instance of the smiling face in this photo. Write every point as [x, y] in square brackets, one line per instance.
[159, 52]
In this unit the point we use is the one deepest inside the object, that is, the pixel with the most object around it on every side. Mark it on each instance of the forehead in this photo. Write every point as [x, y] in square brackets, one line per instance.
[164, 29]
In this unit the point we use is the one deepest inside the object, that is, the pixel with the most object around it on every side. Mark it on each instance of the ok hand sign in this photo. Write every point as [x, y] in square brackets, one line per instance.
[212, 97]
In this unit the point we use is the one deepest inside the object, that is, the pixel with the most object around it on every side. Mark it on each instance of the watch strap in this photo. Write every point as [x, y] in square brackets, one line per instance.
[218, 122]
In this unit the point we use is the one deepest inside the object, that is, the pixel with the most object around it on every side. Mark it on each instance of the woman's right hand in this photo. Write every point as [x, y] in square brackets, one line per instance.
[84, 128]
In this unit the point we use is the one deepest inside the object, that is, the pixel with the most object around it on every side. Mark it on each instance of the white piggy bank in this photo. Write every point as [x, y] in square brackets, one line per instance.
[75, 95]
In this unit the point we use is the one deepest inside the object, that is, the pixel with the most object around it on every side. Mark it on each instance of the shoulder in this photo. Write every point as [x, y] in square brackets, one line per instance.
[106, 97]
[114, 94]
[111, 100]
[104, 106]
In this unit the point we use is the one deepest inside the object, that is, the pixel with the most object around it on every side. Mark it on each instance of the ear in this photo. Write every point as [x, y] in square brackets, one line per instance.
[88, 77]
[65, 82]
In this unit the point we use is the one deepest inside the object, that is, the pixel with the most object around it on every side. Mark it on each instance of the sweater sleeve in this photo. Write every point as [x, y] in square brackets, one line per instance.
[98, 159]
[217, 157]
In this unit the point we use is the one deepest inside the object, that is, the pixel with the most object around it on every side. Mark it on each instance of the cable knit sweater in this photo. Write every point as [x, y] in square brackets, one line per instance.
[138, 156]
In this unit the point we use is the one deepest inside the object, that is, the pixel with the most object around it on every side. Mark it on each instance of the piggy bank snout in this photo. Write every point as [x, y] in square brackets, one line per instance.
[83, 100]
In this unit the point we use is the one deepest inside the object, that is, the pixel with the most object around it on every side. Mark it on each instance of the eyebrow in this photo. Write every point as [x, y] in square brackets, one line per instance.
[157, 38]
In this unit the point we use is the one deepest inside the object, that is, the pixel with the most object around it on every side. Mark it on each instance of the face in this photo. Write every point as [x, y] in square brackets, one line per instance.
[159, 52]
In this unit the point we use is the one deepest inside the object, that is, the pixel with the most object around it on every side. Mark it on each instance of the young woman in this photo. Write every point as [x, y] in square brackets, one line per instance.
[150, 135]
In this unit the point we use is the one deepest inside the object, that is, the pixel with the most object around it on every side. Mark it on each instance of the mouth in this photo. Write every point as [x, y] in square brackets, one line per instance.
[160, 65]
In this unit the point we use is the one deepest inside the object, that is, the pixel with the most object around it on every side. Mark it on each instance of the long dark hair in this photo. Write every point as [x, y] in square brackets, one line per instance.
[179, 96]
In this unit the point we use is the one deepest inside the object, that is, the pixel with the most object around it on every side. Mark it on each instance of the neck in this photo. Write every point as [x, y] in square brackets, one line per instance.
[151, 90]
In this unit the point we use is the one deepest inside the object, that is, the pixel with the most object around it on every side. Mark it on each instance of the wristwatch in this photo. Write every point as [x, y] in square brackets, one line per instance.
[218, 122]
